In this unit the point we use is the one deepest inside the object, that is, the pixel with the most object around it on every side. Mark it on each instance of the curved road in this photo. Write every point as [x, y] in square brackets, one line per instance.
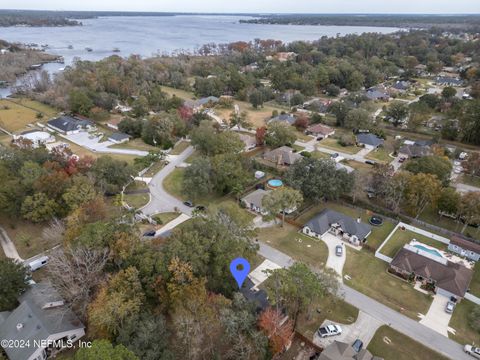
[160, 200]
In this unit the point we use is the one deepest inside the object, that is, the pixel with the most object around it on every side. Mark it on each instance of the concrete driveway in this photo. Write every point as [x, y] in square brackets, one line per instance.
[335, 262]
[8, 246]
[437, 318]
[364, 329]
[84, 139]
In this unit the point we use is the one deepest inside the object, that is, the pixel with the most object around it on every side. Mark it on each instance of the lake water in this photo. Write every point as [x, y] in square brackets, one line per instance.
[147, 36]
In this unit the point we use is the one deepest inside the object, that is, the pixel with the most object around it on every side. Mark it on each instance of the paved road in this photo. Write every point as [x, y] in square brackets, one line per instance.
[384, 314]
[8, 246]
[464, 188]
[161, 200]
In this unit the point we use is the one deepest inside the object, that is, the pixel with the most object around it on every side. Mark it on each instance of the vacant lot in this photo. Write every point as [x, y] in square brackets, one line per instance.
[475, 284]
[399, 346]
[14, 117]
[334, 145]
[464, 333]
[402, 237]
[379, 233]
[47, 111]
[300, 247]
[135, 144]
[369, 276]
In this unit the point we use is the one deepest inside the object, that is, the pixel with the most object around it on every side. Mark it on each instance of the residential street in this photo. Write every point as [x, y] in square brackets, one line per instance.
[384, 314]
[464, 188]
[160, 200]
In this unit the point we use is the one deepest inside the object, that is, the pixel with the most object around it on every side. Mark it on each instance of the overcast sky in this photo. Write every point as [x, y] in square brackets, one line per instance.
[270, 6]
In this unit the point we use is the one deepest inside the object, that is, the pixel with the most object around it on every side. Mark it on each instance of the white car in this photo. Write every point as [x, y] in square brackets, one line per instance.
[473, 351]
[329, 330]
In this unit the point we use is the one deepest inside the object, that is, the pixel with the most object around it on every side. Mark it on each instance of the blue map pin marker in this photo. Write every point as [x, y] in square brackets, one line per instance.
[240, 275]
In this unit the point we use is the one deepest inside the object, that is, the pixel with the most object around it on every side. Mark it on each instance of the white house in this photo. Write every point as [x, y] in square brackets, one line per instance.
[70, 125]
[119, 138]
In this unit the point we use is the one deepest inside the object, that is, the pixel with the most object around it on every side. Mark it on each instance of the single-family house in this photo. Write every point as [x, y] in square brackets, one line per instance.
[369, 141]
[119, 138]
[286, 119]
[113, 124]
[415, 149]
[421, 70]
[253, 201]
[249, 141]
[462, 247]
[375, 94]
[70, 125]
[341, 166]
[320, 131]
[318, 105]
[285, 56]
[401, 86]
[282, 156]
[448, 278]
[41, 317]
[448, 81]
[198, 105]
[36, 138]
[342, 351]
[338, 224]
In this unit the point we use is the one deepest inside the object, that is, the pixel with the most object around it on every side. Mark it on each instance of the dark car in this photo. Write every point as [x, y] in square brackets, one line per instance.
[188, 203]
[200, 208]
[149, 233]
[357, 345]
[402, 159]
[334, 156]
[370, 162]
[260, 186]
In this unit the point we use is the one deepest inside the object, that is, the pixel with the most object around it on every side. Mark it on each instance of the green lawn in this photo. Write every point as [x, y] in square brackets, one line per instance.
[165, 218]
[45, 109]
[135, 144]
[379, 233]
[156, 167]
[475, 284]
[402, 237]
[464, 333]
[332, 144]
[136, 200]
[400, 347]
[380, 155]
[369, 276]
[470, 180]
[300, 247]
[180, 147]
[14, 117]
[320, 155]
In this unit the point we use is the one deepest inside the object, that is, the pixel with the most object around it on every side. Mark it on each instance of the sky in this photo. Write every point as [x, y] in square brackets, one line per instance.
[256, 6]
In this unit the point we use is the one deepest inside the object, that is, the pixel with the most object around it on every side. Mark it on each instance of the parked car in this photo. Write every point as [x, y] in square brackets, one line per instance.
[357, 345]
[188, 203]
[339, 250]
[38, 263]
[335, 155]
[329, 330]
[450, 307]
[149, 233]
[402, 159]
[472, 350]
[370, 162]
[200, 208]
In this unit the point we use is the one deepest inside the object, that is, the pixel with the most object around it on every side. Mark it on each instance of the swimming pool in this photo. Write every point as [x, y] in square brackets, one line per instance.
[275, 183]
[431, 251]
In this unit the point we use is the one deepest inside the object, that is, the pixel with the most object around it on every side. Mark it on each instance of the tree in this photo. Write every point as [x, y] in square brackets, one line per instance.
[75, 272]
[294, 288]
[260, 135]
[80, 192]
[140, 107]
[239, 120]
[398, 111]
[332, 90]
[117, 302]
[104, 350]
[340, 110]
[111, 174]
[12, 278]
[469, 209]
[132, 127]
[439, 166]
[256, 98]
[206, 139]
[197, 179]
[422, 189]
[319, 179]
[357, 119]
[449, 92]
[278, 331]
[159, 132]
[39, 208]
[470, 121]
[230, 173]
[449, 201]
[279, 134]
[301, 123]
[472, 164]
[80, 103]
[146, 336]
[394, 190]
[282, 200]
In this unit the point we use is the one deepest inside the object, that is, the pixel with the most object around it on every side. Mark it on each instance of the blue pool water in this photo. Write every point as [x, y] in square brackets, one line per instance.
[275, 183]
[431, 251]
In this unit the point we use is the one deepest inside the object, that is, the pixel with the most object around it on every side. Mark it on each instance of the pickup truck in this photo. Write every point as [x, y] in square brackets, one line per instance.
[329, 330]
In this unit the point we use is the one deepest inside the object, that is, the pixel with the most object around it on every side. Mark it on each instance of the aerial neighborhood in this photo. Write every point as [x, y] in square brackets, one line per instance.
[345, 171]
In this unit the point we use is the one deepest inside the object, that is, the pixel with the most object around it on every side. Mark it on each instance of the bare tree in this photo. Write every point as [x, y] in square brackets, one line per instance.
[75, 272]
[54, 231]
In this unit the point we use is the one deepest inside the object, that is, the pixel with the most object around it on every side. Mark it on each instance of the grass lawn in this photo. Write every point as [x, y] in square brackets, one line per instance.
[45, 109]
[186, 95]
[298, 246]
[14, 117]
[379, 233]
[475, 284]
[334, 145]
[159, 165]
[380, 155]
[135, 144]
[470, 180]
[136, 200]
[464, 333]
[402, 237]
[298, 148]
[400, 347]
[320, 155]
[333, 309]
[369, 276]
[302, 136]
[180, 147]
[27, 237]
[165, 218]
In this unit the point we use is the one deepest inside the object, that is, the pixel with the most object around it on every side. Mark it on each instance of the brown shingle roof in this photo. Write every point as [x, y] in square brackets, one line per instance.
[320, 129]
[465, 244]
[452, 277]
[282, 155]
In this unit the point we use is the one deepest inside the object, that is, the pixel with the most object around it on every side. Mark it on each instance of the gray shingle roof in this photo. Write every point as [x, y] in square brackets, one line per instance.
[284, 118]
[369, 139]
[256, 197]
[323, 221]
[68, 123]
[37, 323]
[282, 155]
[119, 136]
